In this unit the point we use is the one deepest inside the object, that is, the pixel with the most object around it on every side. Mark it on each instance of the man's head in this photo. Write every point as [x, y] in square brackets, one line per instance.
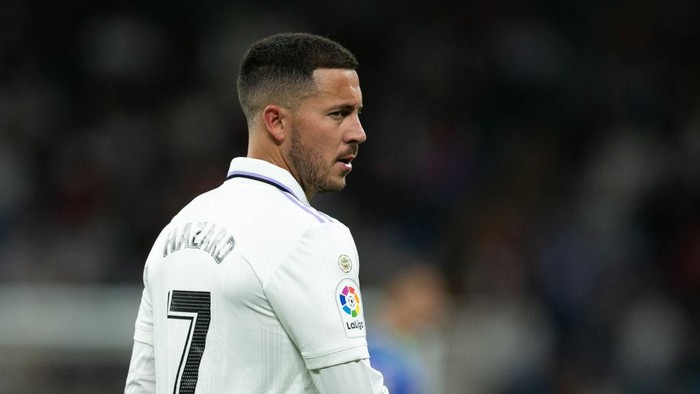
[301, 96]
[279, 69]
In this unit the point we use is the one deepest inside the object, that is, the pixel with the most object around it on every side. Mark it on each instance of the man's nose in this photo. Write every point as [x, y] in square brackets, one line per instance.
[357, 132]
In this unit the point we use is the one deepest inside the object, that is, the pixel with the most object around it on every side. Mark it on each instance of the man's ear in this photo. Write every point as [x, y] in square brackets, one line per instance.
[276, 122]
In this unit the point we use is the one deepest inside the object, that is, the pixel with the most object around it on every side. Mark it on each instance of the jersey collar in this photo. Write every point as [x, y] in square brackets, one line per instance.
[266, 172]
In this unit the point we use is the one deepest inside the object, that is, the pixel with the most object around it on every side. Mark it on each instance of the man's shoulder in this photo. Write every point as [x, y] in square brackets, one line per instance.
[257, 205]
[304, 213]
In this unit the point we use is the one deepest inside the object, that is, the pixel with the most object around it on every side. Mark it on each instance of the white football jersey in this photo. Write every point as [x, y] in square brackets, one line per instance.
[249, 287]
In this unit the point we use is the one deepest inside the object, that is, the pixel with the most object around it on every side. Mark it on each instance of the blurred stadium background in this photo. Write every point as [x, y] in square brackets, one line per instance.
[534, 164]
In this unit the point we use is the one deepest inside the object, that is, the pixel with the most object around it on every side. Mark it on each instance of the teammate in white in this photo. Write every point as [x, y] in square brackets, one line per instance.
[249, 289]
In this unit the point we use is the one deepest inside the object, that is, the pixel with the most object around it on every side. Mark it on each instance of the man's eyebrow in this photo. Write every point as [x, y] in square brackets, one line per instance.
[348, 107]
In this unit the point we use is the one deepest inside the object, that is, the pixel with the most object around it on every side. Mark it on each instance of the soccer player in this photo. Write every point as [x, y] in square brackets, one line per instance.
[249, 289]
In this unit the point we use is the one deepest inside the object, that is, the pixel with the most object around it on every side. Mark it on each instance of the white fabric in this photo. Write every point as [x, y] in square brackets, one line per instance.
[142, 370]
[349, 378]
[255, 285]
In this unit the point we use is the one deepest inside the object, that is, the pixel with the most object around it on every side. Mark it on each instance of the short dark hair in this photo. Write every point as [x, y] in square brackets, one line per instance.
[280, 68]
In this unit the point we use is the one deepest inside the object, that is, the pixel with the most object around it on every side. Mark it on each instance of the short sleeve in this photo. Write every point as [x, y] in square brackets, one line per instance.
[315, 293]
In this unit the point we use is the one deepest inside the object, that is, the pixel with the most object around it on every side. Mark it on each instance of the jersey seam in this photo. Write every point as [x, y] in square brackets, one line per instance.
[321, 217]
[334, 352]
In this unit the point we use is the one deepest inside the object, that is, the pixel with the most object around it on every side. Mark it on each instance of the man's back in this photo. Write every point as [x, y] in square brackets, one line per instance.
[249, 287]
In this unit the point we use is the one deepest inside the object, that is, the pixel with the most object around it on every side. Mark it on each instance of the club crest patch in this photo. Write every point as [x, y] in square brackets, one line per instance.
[350, 307]
[344, 263]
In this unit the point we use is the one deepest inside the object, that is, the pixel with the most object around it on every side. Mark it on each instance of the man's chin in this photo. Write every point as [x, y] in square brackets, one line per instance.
[333, 186]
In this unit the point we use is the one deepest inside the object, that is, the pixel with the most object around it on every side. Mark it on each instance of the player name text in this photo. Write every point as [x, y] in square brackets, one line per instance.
[208, 237]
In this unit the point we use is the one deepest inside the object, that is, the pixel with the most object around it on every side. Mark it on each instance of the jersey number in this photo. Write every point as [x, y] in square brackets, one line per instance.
[194, 306]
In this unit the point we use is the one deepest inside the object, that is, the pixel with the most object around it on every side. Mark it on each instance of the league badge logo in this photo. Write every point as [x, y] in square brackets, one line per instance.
[349, 303]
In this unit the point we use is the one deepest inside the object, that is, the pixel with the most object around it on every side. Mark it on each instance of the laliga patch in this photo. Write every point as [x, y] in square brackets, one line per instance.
[350, 306]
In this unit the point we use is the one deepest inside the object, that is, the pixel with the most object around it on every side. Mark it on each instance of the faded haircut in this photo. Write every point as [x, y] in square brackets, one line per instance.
[279, 69]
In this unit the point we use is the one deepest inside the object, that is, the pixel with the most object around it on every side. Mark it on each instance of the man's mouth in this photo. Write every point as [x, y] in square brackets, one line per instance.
[347, 160]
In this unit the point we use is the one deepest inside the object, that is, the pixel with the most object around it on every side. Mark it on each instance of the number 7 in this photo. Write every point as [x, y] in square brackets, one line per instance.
[194, 306]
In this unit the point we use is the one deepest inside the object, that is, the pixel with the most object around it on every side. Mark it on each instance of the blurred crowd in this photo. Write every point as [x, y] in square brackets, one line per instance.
[536, 163]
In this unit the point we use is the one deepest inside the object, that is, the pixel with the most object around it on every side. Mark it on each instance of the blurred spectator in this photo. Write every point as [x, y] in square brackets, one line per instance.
[406, 317]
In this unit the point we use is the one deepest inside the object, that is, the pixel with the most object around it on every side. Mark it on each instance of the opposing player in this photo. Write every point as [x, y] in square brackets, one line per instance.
[249, 289]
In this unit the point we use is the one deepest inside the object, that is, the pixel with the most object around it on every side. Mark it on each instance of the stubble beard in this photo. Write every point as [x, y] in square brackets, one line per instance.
[314, 172]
